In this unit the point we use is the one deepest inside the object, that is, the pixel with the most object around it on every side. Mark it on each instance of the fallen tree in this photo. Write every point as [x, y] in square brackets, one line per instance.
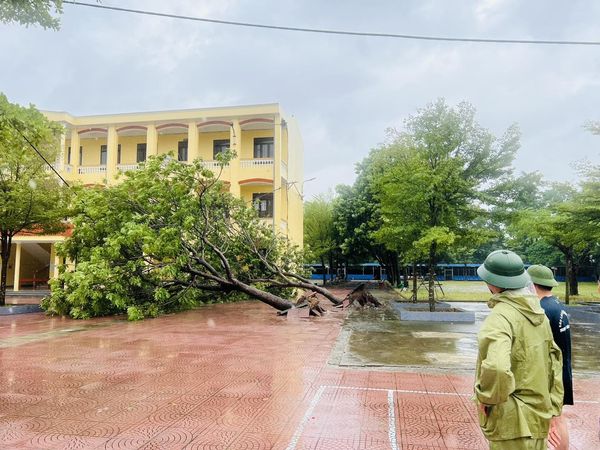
[165, 238]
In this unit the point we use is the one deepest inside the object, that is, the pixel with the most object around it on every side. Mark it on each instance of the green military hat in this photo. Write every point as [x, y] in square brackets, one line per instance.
[542, 275]
[504, 269]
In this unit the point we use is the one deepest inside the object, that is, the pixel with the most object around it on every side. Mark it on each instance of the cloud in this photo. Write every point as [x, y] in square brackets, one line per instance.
[344, 91]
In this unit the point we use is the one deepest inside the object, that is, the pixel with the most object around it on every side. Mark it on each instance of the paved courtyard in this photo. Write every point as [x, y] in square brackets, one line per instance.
[233, 376]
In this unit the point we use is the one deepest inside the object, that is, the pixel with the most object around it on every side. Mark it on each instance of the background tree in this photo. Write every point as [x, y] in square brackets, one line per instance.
[165, 238]
[319, 231]
[438, 189]
[555, 223]
[357, 217]
[32, 12]
[31, 197]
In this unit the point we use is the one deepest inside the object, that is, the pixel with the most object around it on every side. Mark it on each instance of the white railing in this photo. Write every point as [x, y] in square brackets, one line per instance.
[256, 162]
[128, 167]
[284, 170]
[91, 169]
[213, 165]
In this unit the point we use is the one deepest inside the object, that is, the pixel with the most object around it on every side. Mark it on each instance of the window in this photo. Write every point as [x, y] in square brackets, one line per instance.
[141, 153]
[263, 147]
[103, 155]
[69, 155]
[80, 154]
[119, 154]
[220, 146]
[182, 150]
[263, 203]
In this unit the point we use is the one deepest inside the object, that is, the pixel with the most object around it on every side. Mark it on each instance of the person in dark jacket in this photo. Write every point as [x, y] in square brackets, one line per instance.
[543, 282]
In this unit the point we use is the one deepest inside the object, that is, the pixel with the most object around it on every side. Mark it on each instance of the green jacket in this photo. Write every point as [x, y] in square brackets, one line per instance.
[519, 369]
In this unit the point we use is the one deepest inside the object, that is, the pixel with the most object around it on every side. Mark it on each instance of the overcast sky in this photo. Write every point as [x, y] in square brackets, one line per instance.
[344, 91]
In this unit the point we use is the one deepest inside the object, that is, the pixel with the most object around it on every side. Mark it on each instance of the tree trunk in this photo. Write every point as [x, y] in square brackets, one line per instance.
[573, 285]
[5, 242]
[324, 271]
[431, 286]
[265, 297]
[568, 262]
[414, 287]
[312, 287]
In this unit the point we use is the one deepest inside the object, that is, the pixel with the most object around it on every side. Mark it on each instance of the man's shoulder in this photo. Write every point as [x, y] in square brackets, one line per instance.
[551, 303]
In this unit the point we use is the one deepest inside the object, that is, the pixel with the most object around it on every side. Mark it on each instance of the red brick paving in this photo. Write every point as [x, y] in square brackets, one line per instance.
[231, 377]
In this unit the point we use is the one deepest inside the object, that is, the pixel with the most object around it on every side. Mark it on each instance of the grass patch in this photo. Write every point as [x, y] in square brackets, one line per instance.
[476, 291]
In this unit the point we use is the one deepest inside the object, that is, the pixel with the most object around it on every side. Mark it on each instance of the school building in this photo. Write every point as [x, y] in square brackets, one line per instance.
[267, 171]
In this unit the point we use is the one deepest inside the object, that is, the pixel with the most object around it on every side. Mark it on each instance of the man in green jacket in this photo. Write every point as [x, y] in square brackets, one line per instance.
[518, 380]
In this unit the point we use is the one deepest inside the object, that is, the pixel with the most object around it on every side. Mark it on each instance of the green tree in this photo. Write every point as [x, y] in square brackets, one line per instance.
[447, 169]
[319, 231]
[357, 219]
[32, 12]
[165, 238]
[555, 222]
[31, 197]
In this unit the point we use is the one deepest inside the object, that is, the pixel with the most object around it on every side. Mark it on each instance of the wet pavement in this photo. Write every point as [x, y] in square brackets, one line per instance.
[379, 338]
[237, 376]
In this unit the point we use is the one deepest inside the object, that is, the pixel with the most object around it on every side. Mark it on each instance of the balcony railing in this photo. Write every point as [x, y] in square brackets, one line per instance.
[128, 167]
[213, 165]
[91, 169]
[256, 162]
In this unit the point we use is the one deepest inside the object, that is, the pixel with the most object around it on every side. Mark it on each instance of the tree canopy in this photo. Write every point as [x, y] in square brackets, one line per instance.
[165, 238]
[45, 13]
[31, 197]
[435, 189]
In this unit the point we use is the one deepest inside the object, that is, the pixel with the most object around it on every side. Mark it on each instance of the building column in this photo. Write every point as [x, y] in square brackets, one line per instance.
[151, 141]
[17, 274]
[112, 145]
[277, 194]
[192, 141]
[75, 144]
[54, 262]
[235, 145]
[61, 160]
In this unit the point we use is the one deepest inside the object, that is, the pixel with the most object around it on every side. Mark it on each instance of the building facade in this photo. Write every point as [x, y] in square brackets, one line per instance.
[267, 171]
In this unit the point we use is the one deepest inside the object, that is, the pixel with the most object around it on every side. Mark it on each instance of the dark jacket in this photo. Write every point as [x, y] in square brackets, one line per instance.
[561, 331]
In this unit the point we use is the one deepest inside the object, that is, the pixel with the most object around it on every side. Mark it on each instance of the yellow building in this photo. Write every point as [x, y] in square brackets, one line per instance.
[267, 171]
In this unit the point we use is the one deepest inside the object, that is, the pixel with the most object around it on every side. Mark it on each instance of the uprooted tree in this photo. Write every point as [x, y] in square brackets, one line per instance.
[165, 238]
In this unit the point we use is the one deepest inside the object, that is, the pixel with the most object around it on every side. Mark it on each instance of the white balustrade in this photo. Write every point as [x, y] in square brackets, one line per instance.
[92, 169]
[256, 162]
[128, 167]
[213, 165]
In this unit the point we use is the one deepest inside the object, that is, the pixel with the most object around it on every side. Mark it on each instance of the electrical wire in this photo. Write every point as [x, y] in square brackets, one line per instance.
[37, 151]
[339, 32]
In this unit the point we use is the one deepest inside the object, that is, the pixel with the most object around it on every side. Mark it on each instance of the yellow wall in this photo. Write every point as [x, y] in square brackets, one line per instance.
[205, 143]
[168, 143]
[248, 136]
[129, 148]
[91, 151]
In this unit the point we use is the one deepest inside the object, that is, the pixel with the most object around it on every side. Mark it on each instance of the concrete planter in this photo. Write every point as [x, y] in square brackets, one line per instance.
[444, 313]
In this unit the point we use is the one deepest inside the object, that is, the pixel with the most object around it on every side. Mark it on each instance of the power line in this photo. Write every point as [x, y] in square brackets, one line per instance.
[337, 32]
[37, 151]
